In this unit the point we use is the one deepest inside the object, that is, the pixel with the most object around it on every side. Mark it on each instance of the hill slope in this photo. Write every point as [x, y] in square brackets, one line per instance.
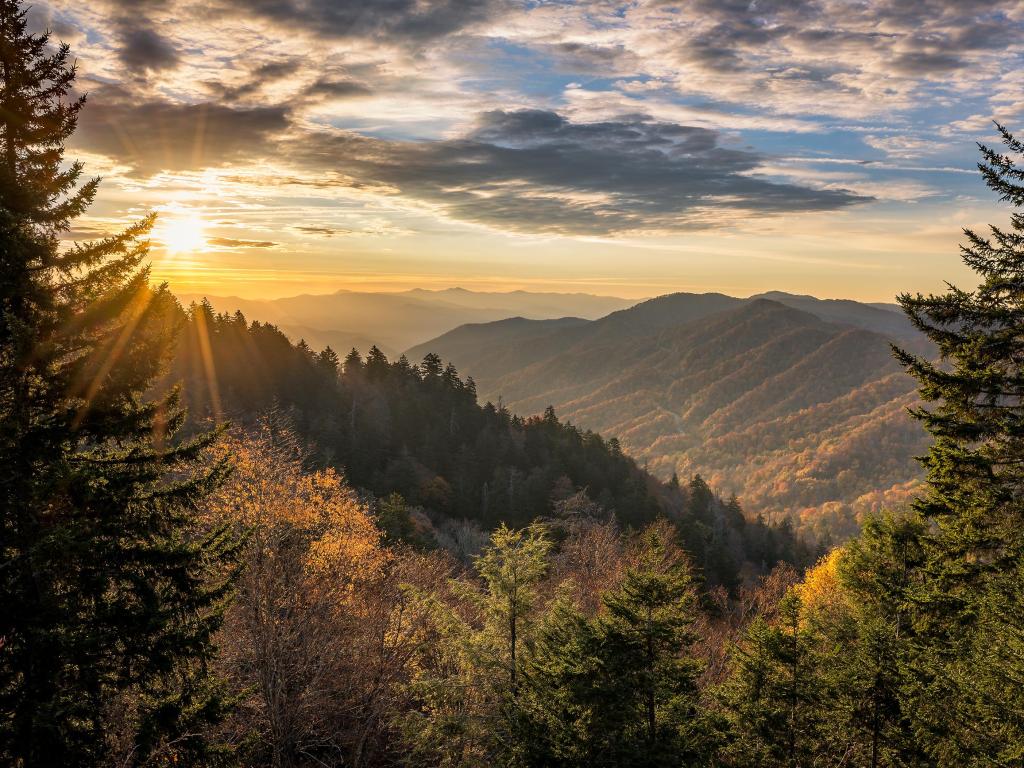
[437, 465]
[795, 414]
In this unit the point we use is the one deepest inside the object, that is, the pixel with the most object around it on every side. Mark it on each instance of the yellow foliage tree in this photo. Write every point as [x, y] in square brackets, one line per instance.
[822, 589]
[314, 612]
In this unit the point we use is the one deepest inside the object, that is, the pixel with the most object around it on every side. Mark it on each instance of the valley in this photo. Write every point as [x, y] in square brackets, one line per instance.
[793, 403]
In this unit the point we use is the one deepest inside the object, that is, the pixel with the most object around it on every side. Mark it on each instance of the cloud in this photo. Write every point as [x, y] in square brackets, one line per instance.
[154, 135]
[533, 171]
[580, 118]
[408, 20]
[322, 231]
[970, 124]
[230, 242]
[926, 63]
[799, 57]
[338, 89]
[260, 77]
[144, 48]
[906, 147]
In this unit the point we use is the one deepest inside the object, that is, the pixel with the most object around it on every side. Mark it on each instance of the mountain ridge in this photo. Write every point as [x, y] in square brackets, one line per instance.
[680, 385]
[397, 320]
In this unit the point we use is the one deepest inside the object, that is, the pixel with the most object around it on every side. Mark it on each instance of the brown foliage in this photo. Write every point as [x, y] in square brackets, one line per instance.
[721, 628]
[322, 626]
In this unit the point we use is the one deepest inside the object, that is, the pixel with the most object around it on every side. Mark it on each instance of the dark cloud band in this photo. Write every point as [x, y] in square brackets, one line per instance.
[534, 171]
[152, 136]
[525, 171]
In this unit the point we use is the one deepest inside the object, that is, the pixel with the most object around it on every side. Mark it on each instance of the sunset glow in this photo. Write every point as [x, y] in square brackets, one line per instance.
[181, 233]
[632, 149]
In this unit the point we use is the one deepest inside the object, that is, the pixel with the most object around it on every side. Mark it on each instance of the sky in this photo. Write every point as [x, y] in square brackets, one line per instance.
[623, 148]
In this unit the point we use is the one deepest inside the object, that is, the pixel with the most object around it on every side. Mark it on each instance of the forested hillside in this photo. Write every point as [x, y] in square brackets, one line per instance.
[442, 465]
[797, 415]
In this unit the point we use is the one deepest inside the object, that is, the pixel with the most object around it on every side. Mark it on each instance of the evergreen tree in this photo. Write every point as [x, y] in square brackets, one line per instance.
[376, 364]
[109, 595]
[511, 567]
[553, 723]
[774, 699]
[620, 690]
[968, 713]
[649, 712]
[879, 570]
[328, 360]
[353, 363]
[701, 499]
[471, 699]
[974, 468]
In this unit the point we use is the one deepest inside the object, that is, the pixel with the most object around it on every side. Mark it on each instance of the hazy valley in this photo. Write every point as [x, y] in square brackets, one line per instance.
[399, 320]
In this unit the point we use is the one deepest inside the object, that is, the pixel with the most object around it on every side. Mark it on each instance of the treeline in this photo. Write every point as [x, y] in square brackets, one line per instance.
[439, 467]
[394, 427]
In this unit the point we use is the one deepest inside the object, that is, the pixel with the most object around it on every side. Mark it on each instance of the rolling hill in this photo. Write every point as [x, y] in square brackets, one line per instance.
[792, 402]
[395, 321]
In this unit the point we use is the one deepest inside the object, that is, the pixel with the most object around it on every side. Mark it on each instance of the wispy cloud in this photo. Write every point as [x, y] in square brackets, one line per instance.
[582, 119]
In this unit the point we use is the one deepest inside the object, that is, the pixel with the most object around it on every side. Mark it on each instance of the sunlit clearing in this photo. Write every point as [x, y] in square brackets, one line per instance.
[181, 233]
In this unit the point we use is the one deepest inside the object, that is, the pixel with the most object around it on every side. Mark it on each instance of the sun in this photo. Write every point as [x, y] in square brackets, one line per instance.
[181, 232]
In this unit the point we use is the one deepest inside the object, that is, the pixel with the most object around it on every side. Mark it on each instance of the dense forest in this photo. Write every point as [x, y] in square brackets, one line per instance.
[793, 403]
[438, 466]
[368, 568]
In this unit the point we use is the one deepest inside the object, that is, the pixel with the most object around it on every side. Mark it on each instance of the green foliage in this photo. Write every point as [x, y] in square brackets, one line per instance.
[555, 721]
[775, 700]
[510, 568]
[394, 518]
[650, 690]
[966, 689]
[619, 690]
[452, 722]
[467, 680]
[110, 595]
[879, 571]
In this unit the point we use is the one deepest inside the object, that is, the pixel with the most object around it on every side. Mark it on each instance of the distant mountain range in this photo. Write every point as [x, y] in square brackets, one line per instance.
[792, 402]
[396, 321]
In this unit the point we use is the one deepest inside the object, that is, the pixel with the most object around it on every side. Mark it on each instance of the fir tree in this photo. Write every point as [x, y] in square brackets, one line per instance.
[376, 364]
[110, 596]
[967, 713]
[620, 690]
[774, 699]
[553, 724]
[511, 567]
[329, 361]
[353, 363]
[649, 711]
[879, 570]
[974, 466]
